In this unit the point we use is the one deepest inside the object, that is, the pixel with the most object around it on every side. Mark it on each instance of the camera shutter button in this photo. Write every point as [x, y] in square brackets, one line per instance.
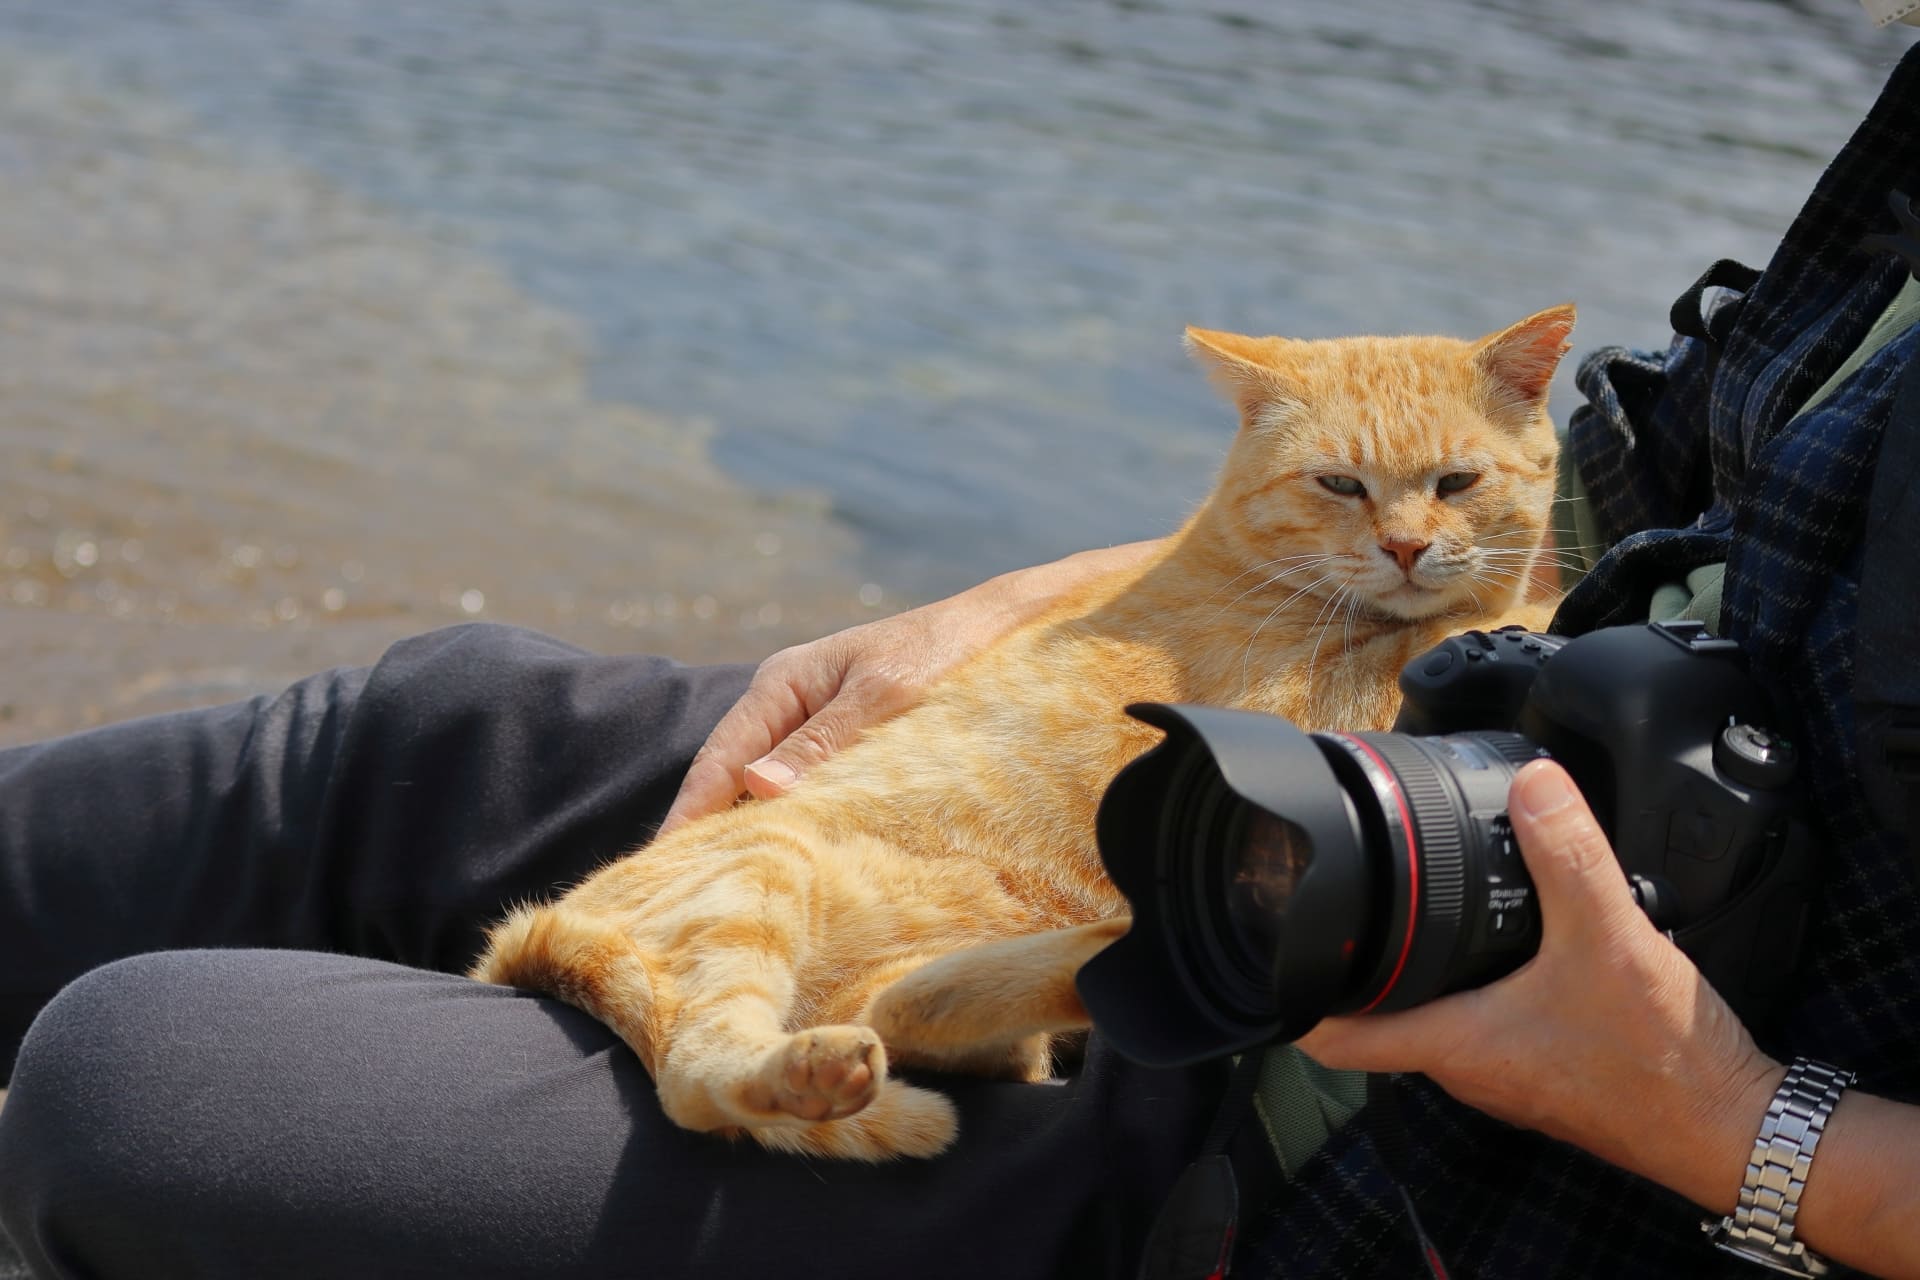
[1754, 756]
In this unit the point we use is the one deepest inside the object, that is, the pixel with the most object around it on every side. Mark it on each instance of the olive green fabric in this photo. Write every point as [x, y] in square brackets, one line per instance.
[1900, 315]
[1577, 544]
[1300, 1103]
[1695, 600]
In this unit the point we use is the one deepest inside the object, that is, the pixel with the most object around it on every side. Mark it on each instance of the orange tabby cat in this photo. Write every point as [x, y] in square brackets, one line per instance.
[927, 895]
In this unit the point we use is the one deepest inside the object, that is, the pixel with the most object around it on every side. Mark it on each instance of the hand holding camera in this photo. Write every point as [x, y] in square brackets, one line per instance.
[1278, 877]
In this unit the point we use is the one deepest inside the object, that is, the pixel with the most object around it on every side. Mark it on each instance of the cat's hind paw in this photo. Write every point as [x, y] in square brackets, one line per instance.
[825, 1073]
[901, 1121]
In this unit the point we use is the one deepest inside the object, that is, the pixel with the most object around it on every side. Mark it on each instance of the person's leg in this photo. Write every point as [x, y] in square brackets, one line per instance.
[389, 812]
[250, 1113]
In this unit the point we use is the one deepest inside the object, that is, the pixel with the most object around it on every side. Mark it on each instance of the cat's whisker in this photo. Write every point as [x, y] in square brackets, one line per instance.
[1556, 561]
[1353, 612]
[1521, 553]
[1316, 562]
[1501, 579]
[1535, 542]
[1263, 567]
[1246, 661]
[1520, 530]
[1314, 657]
[1595, 546]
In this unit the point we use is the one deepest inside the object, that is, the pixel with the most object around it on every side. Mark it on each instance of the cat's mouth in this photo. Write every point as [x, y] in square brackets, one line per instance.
[1410, 599]
[1408, 587]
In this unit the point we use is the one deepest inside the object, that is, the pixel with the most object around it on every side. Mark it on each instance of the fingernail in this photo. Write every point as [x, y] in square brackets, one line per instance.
[774, 773]
[1543, 791]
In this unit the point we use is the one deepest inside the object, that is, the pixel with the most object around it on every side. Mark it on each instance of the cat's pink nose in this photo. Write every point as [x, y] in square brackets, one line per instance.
[1405, 550]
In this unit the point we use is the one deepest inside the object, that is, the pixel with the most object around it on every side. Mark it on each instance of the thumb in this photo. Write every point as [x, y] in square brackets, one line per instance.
[834, 728]
[1577, 878]
[764, 714]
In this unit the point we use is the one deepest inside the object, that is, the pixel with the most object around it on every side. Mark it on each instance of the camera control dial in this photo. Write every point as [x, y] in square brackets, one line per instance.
[1755, 756]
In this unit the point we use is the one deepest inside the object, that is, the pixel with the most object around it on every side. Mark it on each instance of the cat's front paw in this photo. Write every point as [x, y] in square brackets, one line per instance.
[826, 1073]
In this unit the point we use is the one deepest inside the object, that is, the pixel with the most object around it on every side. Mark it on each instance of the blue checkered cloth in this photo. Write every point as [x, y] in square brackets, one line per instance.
[1692, 456]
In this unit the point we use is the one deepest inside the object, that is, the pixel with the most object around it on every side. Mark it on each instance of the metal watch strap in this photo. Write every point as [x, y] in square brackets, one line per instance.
[1761, 1228]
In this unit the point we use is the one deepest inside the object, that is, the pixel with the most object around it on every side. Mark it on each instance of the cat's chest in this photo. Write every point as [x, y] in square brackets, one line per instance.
[1336, 687]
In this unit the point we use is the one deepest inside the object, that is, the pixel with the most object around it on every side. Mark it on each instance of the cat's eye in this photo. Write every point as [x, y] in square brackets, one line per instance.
[1345, 486]
[1457, 482]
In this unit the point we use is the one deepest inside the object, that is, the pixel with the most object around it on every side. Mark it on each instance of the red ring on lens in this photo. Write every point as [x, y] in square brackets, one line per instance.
[1413, 869]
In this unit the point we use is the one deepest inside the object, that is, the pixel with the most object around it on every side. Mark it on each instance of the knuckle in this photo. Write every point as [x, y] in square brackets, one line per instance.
[1586, 845]
[1570, 838]
[882, 691]
[707, 762]
[816, 739]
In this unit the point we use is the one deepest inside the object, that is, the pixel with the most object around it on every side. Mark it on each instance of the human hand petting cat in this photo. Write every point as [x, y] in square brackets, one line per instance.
[1610, 1039]
[809, 701]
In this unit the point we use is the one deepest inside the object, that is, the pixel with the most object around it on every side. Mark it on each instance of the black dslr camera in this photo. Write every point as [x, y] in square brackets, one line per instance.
[1277, 877]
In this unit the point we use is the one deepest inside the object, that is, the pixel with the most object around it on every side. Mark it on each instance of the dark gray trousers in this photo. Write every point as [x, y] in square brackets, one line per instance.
[235, 933]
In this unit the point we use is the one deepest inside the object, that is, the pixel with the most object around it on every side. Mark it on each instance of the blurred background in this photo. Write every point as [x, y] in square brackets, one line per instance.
[707, 327]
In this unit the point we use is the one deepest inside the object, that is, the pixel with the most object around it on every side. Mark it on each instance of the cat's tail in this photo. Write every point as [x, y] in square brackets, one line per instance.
[591, 965]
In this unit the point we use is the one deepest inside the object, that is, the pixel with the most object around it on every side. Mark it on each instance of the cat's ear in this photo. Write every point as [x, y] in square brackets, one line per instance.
[1246, 370]
[1520, 360]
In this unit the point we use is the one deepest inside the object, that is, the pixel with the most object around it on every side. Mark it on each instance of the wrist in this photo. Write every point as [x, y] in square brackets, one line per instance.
[1716, 1159]
[1026, 593]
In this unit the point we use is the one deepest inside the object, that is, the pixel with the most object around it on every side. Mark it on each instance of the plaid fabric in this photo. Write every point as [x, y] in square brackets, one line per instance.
[1696, 455]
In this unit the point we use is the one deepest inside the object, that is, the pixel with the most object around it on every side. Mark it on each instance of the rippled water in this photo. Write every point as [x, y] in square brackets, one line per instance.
[706, 326]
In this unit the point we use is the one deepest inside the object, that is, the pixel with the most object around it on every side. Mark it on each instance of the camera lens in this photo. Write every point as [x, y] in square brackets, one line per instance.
[1279, 877]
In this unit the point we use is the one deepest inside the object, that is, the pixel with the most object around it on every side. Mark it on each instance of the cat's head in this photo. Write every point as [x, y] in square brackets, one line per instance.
[1416, 473]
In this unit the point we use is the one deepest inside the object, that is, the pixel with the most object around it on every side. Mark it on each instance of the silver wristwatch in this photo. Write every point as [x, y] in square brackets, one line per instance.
[1760, 1229]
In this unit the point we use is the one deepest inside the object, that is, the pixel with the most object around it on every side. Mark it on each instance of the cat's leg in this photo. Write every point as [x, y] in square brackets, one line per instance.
[992, 1003]
[731, 1065]
[708, 1022]
[728, 1062]
[1028, 1059]
[580, 959]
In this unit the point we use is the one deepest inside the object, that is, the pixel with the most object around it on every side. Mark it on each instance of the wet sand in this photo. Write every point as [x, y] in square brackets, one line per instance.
[252, 426]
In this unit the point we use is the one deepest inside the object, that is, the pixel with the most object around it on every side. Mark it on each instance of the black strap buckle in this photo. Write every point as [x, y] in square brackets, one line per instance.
[1686, 316]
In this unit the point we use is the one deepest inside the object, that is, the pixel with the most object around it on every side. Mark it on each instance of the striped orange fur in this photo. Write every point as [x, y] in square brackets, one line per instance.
[927, 895]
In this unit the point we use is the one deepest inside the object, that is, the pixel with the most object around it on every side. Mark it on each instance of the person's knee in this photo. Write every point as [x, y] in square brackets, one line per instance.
[85, 1056]
[91, 1092]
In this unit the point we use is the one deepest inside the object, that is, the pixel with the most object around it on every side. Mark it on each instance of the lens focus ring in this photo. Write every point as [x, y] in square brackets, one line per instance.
[1437, 827]
[1415, 964]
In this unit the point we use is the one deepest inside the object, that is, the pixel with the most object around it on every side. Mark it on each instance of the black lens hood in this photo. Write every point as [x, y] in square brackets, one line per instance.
[1141, 991]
